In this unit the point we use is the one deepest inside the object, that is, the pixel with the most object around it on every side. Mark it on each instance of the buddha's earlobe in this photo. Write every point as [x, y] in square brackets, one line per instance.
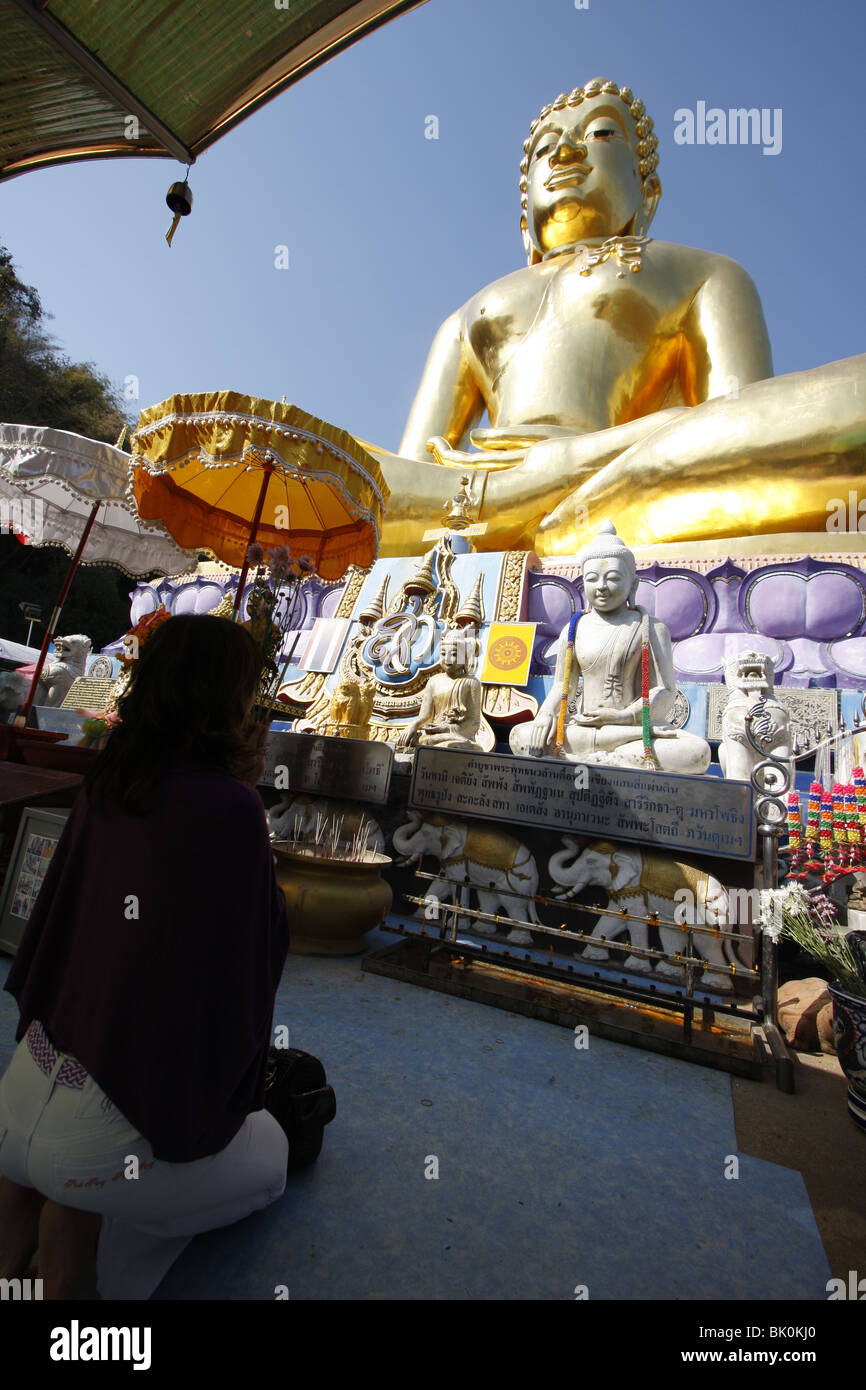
[647, 211]
[533, 255]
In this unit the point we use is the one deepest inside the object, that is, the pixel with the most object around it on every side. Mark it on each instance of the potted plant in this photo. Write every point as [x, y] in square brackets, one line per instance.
[809, 919]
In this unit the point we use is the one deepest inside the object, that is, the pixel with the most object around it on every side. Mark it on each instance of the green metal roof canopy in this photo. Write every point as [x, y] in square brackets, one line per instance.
[74, 72]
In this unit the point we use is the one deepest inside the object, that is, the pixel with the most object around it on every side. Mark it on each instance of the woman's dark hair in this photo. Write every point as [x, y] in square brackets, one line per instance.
[188, 700]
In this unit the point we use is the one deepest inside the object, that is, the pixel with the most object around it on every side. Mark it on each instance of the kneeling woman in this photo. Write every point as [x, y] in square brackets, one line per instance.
[131, 1114]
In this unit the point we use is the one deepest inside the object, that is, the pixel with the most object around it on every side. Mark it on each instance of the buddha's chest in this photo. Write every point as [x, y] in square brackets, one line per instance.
[445, 692]
[568, 348]
[608, 660]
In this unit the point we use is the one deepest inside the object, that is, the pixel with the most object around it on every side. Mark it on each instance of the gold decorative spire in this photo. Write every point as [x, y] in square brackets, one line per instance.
[458, 518]
[471, 611]
[422, 581]
[372, 611]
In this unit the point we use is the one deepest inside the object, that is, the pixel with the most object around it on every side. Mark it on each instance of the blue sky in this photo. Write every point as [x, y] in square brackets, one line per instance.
[388, 231]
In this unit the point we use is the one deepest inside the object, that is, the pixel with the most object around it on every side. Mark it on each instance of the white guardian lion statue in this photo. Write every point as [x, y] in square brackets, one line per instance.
[749, 677]
[68, 663]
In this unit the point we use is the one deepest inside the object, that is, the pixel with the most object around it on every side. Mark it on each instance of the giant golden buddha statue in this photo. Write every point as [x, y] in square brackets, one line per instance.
[622, 376]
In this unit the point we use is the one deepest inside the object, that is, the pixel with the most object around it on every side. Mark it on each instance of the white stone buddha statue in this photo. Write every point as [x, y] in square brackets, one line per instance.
[602, 680]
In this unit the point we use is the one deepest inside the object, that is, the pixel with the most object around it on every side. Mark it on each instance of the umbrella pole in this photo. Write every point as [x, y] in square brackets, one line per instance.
[257, 516]
[51, 626]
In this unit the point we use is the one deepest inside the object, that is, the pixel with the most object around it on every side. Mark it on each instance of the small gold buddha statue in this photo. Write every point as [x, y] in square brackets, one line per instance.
[351, 708]
[450, 713]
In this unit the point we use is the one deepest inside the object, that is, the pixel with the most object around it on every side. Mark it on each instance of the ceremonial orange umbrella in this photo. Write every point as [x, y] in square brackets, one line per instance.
[222, 471]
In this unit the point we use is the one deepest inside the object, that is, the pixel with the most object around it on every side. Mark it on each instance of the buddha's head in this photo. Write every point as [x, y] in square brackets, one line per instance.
[588, 169]
[609, 571]
[457, 651]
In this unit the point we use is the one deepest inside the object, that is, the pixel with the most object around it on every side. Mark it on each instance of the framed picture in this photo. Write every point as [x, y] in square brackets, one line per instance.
[32, 852]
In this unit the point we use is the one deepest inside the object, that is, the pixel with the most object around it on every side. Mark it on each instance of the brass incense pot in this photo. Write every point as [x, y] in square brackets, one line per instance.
[332, 899]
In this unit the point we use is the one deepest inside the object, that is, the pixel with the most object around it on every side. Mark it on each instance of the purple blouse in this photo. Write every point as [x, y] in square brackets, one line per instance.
[153, 955]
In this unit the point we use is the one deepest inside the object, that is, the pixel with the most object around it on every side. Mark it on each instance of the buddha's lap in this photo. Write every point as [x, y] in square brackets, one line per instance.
[679, 752]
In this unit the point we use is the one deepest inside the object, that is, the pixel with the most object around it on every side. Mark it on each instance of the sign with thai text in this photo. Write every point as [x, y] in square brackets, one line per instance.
[699, 815]
[347, 768]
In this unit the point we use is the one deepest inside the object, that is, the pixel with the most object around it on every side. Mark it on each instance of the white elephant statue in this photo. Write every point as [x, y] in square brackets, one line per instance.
[295, 817]
[500, 869]
[643, 884]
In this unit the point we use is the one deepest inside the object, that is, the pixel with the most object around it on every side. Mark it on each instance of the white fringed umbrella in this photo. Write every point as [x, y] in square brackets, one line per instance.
[59, 488]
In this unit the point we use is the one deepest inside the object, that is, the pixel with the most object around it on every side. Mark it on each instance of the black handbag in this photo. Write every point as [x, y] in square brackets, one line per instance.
[300, 1100]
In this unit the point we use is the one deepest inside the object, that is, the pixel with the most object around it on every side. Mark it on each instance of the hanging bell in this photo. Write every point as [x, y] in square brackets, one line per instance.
[179, 200]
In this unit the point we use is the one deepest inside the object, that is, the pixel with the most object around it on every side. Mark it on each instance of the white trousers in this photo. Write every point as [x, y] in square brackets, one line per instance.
[75, 1148]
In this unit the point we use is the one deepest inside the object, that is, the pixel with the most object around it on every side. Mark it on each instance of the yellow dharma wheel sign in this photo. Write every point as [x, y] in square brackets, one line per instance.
[509, 652]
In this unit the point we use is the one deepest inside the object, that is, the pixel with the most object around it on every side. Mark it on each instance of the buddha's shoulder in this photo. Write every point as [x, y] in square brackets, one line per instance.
[528, 281]
[692, 260]
[499, 294]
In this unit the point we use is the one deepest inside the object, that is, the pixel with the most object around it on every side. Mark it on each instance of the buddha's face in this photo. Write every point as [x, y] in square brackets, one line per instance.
[607, 583]
[583, 179]
[453, 653]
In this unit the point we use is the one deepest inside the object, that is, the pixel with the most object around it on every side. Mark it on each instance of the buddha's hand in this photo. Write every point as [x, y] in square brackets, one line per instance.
[606, 715]
[406, 736]
[541, 733]
[459, 458]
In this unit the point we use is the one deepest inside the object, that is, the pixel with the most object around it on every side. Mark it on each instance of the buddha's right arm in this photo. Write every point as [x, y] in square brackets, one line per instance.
[516, 501]
[513, 502]
[449, 402]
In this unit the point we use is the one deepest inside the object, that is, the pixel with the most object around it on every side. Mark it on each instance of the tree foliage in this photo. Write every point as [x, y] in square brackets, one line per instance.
[40, 385]
[98, 602]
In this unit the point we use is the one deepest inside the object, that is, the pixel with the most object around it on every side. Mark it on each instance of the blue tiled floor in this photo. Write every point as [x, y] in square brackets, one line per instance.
[557, 1166]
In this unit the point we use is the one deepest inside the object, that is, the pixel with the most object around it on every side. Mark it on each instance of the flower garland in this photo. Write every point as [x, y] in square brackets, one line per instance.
[649, 756]
[795, 837]
[833, 842]
[101, 722]
[566, 683]
[813, 818]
